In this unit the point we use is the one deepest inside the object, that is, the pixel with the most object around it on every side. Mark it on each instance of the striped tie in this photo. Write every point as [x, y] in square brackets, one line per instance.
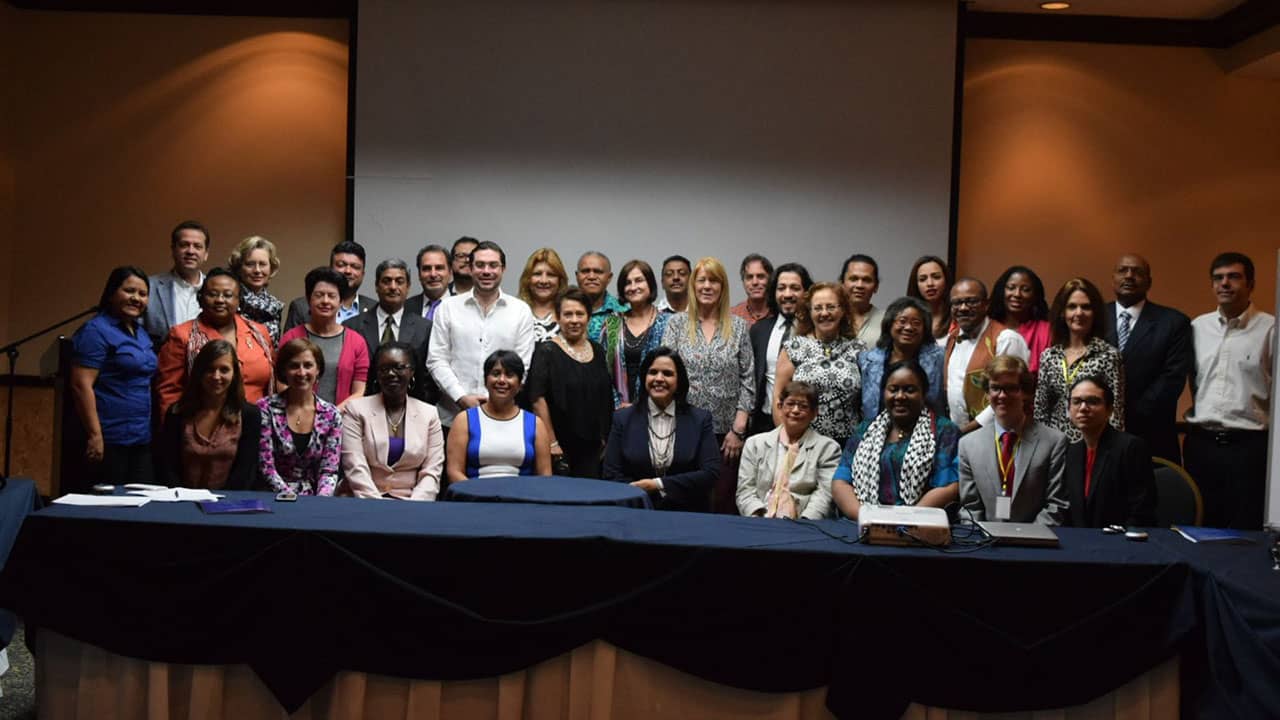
[1122, 332]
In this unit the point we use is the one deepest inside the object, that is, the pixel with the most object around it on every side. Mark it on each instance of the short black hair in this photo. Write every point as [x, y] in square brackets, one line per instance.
[433, 248]
[397, 345]
[190, 225]
[1101, 382]
[219, 272]
[1231, 258]
[771, 295]
[461, 240]
[509, 360]
[324, 274]
[909, 364]
[490, 245]
[677, 258]
[861, 258]
[116, 279]
[347, 247]
[682, 376]
[754, 257]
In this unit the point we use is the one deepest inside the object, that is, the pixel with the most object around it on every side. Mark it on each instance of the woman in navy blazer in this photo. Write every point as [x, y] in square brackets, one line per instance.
[662, 444]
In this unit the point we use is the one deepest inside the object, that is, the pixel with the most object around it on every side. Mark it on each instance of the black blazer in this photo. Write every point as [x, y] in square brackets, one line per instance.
[1157, 360]
[762, 413]
[414, 330]
[244, 469]
[1123, 488]
[695, 461]
[300, 312]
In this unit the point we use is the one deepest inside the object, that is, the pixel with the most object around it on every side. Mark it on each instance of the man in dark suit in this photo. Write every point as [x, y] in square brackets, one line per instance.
[1109, 477]
[786, 289]
[347, 258]
[391, 320]
[434, 275]
[1155, 343]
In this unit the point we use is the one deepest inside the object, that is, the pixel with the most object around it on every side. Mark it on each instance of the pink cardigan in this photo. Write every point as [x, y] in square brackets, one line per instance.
[353, 364]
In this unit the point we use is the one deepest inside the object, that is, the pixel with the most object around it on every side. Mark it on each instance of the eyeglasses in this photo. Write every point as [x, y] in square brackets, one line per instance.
[1090, 401]
[908, 322]
[1006, 389]
[966, 302]
[796, 405]
[395, 369]
[824, 308]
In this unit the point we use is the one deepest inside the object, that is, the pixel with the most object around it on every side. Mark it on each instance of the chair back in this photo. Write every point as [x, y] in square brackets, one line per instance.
[1178, 500]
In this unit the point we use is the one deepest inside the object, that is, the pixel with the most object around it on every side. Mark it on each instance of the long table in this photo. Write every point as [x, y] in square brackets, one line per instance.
[457, 591]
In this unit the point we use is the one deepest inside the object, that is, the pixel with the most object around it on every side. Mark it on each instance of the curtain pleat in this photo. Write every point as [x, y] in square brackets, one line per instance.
[597, 681]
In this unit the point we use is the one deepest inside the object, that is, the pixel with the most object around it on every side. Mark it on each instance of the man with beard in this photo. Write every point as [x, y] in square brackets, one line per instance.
[786, 290]
[461, 255]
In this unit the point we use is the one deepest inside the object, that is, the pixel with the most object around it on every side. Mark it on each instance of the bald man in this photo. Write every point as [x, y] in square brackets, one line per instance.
[1155, 342]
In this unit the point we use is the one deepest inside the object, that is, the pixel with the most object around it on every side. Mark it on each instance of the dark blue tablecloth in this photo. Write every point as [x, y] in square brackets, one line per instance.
[465, 590]
[17, 500]
[554, 490]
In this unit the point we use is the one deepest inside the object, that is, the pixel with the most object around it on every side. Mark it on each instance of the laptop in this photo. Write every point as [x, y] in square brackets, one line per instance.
[1012, 533]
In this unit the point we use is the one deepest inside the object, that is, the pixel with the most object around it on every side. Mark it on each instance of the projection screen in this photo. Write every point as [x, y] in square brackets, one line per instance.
[805, 131]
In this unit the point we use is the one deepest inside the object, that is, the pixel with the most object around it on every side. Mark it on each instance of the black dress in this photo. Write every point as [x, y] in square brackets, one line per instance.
[579, 398]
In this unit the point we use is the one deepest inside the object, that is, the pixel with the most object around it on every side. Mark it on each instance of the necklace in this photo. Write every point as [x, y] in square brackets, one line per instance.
[582, 356]
[828, 346]
[635, 342]
[754, 317]
[395, 424]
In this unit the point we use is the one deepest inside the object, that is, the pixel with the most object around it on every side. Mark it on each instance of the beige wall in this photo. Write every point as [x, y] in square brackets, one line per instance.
[123, 125]
[1074, 153]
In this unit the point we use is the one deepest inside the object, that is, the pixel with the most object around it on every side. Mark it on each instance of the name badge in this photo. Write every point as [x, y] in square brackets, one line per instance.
[1004, 507]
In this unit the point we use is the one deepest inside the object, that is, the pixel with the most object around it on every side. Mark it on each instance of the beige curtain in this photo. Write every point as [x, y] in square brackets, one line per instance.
[594, 682]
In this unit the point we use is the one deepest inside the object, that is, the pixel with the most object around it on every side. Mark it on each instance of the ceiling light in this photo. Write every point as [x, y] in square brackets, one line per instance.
[1054, 5]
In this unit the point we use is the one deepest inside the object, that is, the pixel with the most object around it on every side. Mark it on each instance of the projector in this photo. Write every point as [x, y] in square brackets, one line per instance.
[904, 525]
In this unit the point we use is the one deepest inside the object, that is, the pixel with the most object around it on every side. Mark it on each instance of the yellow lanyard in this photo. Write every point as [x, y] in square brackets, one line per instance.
[1006, 469]
[1070, 376]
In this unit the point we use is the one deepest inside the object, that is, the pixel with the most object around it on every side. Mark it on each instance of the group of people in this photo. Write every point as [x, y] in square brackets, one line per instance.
[806, 400]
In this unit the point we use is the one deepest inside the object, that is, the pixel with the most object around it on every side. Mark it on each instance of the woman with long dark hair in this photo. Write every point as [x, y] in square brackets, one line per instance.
[930, 281]
[1017, 301]
[209, 438]
[1078, 350]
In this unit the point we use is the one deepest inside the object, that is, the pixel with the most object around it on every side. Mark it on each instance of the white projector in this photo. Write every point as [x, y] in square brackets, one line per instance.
[904, 525]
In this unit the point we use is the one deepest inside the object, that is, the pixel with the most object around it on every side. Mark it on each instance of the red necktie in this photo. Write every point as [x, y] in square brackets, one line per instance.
[1007, 442]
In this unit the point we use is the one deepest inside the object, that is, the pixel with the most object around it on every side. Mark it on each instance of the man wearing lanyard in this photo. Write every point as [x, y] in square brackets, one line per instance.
[1012, 469]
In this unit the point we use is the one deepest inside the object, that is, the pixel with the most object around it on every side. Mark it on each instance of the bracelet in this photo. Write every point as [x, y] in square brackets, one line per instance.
[742, 435]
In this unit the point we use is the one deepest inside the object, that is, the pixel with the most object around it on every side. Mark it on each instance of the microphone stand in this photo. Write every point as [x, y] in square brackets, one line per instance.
[12, 351]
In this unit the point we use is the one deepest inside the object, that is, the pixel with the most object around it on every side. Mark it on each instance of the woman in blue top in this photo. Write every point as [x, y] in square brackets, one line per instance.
[111, 370]
[906, 455]
[497, 438]
[904, 335]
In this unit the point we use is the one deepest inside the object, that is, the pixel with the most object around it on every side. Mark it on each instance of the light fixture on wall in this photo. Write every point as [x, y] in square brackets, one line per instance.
[1054, 5]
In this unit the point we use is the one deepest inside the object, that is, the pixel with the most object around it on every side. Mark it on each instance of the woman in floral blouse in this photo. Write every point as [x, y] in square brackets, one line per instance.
[1078, 350]
[717, 352]
[301, 441]
[254, 262]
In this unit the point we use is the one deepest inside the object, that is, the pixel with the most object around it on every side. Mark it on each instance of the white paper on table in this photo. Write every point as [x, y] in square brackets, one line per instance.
[178, 495]
[102, 500]
[145, 486]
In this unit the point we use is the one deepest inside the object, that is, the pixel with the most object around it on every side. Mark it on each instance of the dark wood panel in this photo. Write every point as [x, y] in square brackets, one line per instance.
[1244, 21]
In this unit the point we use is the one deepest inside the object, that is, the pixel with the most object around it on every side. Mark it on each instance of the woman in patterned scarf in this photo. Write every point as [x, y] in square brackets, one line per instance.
[254, 262]
[906, 455]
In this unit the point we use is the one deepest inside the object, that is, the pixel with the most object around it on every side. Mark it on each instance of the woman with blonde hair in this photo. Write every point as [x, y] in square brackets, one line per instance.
[255, 262]
[543, 280]
[717, 352]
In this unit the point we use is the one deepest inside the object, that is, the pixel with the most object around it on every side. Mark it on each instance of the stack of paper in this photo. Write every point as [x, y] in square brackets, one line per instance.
[177, 495]
[102, 500]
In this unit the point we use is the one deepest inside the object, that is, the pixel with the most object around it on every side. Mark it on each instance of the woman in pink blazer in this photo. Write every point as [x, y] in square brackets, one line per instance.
[392, 446]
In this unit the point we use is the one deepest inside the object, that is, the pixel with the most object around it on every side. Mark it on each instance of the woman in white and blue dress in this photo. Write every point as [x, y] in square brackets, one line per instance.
[497, 438]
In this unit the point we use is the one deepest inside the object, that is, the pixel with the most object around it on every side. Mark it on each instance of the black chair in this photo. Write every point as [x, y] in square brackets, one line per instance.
[1178, 500]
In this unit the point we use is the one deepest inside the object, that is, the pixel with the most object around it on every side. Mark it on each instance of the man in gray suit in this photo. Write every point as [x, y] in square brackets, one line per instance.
[1012, 469]
[173, 293]
[391, 321]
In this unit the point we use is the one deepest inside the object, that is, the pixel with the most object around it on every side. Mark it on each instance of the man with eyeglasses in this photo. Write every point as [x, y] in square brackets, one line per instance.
[347, 258]
[593, 276]
[392, 321]
[461, 258]
[1012, 470]
[971, 344]
[1109, 477]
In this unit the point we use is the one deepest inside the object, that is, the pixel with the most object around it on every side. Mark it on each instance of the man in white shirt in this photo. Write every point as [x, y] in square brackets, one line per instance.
[972, 344]
[471, 326]
[173, 293]
[675, 284]
[1226, 448]
[860, 276]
